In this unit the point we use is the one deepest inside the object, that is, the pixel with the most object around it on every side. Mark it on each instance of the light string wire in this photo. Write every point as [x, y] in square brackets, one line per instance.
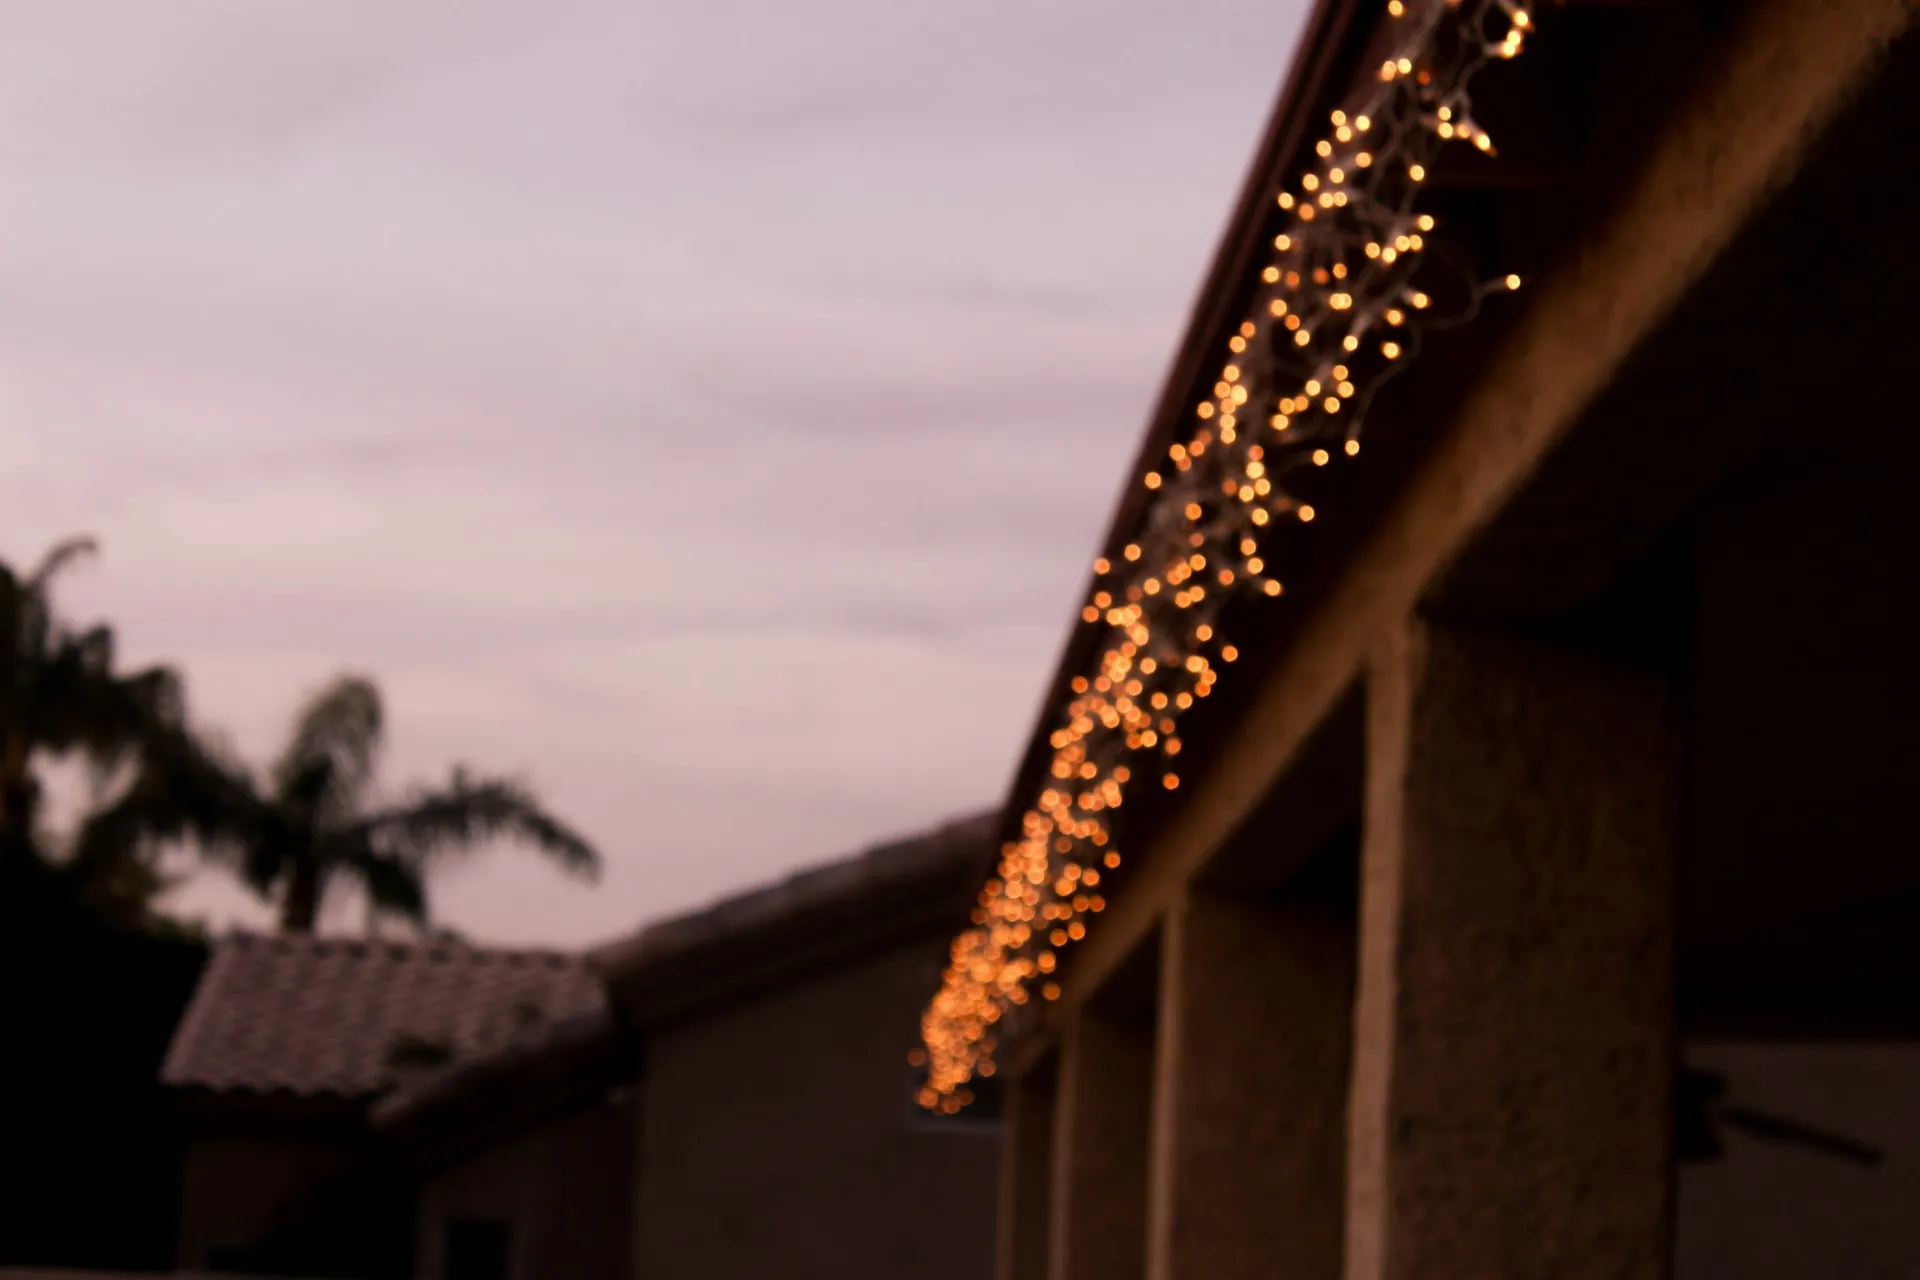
[1338, 309]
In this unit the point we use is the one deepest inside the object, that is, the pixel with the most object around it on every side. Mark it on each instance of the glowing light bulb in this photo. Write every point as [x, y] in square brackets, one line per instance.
[1002, 959]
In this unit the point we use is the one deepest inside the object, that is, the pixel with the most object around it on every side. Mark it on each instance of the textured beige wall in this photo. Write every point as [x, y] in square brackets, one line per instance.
[1513, 1029]
[1026, 1173]
[1102, 1133]
[778, 1139]
[1250, 1091]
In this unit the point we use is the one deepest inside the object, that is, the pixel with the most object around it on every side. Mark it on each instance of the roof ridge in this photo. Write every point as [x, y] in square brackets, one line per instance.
[836, 908]
[357, 947]
[871, 854]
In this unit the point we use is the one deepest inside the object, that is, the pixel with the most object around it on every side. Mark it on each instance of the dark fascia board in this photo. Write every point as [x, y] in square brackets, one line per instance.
[1332, 46]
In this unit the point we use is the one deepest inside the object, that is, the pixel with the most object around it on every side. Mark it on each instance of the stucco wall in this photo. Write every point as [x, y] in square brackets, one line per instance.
[564, 1188]
[779, 1139]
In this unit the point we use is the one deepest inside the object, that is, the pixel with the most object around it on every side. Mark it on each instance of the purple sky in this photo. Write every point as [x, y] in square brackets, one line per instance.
[705, 408]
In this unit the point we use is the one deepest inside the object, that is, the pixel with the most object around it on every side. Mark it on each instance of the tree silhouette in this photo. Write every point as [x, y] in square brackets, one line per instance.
[61, 698]
[312, 824]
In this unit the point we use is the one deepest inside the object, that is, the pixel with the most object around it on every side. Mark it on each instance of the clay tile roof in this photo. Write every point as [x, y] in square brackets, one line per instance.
[323, 1016]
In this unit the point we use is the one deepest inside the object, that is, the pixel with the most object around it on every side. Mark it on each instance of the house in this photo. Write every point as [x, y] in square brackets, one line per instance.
[778, 1128]
[288, 1044]
[726, 1093]
[1470, 835]
[522, 1162]
[759, 1052]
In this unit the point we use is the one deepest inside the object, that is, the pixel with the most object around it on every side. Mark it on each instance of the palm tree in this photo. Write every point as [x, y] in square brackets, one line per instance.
[313, 826]
[60, 697]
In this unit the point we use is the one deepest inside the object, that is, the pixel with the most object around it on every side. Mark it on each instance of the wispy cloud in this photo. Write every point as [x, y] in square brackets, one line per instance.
[707, 408]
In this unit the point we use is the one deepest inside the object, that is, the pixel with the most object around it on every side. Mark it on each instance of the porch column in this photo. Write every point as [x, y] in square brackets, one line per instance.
[1513, 1035]
[1026, 1175]
[1098, 1229]
[1251, 1091]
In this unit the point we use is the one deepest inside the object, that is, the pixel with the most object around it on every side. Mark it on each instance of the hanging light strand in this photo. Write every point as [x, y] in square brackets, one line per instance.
[1337, 308]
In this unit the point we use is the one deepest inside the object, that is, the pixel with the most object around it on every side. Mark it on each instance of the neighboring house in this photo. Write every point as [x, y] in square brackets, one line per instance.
[778, 1130]
[520, 1164]
[1581, 742]
[290, 1041]
[725, 1094]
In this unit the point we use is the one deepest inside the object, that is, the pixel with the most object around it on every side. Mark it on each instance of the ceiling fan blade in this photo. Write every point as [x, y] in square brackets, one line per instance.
[1772, 1128]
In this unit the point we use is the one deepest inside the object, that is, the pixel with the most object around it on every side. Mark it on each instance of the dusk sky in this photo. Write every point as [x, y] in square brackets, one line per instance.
[706, 409]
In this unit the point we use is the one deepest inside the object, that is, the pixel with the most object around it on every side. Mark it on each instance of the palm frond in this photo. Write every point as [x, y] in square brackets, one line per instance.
[58, 557]
[113, 868]
[392, 884]
[28, 607]
[184, 786]
[77, 703]
[469, 811]
[335, 745]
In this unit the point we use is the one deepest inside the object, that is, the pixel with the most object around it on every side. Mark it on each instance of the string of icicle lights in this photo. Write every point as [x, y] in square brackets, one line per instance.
[1337, 308]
